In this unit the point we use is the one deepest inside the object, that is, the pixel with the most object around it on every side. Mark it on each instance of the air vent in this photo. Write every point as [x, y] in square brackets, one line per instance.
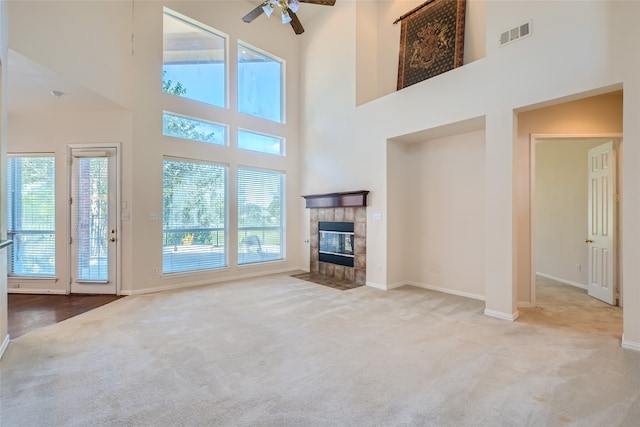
[515, 33]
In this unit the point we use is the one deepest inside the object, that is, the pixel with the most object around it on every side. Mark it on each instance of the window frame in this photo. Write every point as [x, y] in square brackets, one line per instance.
[283, 223]
[225, 227]
[10, 231]
[195, 119]
[283, 81]
[204, 27]
[282, 142]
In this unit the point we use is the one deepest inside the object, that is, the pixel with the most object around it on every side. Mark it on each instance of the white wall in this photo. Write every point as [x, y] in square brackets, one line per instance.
[576, 49]
[441, 217]
[561, 193]
[50, 134]
[133, 78]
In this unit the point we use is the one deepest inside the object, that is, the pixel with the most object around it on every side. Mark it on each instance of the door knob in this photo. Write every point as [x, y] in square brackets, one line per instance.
[588, 241]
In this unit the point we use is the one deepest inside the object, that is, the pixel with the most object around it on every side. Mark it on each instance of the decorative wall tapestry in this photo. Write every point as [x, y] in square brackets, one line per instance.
[431, 40]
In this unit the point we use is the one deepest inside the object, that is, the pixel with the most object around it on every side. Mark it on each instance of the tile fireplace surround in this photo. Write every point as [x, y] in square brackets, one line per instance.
[340, 207]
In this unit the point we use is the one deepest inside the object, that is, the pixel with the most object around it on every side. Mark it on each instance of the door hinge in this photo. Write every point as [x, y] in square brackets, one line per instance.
[617, 198]
[70, 240]
[70, 200]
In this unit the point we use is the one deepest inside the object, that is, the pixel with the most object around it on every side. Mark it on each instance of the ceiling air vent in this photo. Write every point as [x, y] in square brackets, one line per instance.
[515, 33]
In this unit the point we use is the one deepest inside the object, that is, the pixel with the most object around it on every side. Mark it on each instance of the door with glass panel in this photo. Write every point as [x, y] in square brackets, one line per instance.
[93, 213]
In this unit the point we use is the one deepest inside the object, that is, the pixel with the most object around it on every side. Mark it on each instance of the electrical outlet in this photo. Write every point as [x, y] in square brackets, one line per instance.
[579, 267]
[447, 271]
[154, 271]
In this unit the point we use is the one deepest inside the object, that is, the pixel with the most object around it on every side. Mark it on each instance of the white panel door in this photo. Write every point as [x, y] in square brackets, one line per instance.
[602, 223]
[93, 213]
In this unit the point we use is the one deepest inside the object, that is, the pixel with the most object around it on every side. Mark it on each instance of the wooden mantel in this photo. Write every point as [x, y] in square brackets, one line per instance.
[337, 200]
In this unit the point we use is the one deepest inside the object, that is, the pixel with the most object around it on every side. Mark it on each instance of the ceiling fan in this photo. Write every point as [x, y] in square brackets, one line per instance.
[288, 11]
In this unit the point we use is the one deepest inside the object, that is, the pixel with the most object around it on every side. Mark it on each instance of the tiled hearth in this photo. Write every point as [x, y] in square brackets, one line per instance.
[358, 215]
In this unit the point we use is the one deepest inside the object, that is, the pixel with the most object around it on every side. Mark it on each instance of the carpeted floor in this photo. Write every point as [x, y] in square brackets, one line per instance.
[279, 351]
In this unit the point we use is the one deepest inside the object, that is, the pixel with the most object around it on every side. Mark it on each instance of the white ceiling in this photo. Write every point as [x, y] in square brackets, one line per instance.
[29, 86]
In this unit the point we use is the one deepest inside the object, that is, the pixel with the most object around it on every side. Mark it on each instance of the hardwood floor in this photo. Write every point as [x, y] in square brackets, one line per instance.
[30, 312]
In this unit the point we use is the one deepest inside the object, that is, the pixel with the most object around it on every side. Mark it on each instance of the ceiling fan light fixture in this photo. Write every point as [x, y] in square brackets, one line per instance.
[293, 5]
[286, 18]
[267, 8]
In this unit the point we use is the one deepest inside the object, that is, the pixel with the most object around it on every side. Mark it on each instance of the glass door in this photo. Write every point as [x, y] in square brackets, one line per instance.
[93, 212]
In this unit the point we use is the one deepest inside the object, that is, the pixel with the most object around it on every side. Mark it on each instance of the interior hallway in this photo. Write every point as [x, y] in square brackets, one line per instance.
[563, 306]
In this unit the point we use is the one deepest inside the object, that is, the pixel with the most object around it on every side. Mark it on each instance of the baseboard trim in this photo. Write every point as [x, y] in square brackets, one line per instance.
[4, 345]
[630, 345]
[500, 315]
[436, 289]
[36, 291]
[525, 304]
[377, 286]
[566, 282]
[446, 290]
[209, 281]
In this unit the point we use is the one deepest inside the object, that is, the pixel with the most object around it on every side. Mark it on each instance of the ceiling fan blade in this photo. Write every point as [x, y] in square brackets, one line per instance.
[295, 23]
[249, 17]
[320, 2]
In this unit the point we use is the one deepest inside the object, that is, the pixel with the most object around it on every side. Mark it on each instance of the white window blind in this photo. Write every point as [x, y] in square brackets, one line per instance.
[194, 216]
[31, 216]
[260, 215]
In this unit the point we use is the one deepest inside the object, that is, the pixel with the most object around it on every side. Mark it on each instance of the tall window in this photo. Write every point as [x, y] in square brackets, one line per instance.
[31, 216]
[193, 60]
[194, 216]
[260, 215]
[259, 84]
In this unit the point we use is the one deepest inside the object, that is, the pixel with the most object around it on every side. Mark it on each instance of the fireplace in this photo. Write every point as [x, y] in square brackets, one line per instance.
[338, 235]
[336, 243]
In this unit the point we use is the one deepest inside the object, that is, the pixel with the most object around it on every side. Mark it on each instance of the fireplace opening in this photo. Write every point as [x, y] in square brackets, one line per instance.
[336, 243]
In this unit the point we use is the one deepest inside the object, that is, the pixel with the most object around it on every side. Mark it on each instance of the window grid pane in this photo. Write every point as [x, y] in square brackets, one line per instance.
[260, 216]
[193, 61]
[31, 216]
[259, 142]
[196, 130]
[194, 216]
[259, 84]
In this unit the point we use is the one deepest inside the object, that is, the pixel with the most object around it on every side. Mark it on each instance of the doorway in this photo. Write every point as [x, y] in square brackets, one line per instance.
[561, 238]
[93, 215]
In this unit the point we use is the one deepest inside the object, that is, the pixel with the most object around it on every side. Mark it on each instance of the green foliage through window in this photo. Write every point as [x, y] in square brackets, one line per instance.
[31, 216]
[194, 216]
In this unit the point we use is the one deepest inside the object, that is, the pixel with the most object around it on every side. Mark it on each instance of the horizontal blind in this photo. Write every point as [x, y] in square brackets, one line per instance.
[260, 215]
[31, 216]
[194, 216]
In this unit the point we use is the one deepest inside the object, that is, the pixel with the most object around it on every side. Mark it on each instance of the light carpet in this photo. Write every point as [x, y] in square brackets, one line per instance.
[278, 351]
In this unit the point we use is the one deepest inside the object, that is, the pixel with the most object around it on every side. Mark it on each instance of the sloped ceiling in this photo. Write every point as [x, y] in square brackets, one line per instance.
[30, 85]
